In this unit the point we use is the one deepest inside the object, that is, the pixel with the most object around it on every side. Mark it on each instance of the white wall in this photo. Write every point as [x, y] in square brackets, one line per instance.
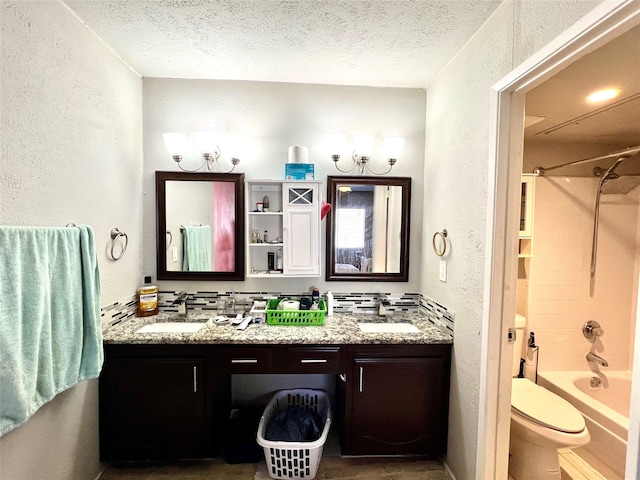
[561, 295]
[71, 152]
[271, 117]
[457, 156]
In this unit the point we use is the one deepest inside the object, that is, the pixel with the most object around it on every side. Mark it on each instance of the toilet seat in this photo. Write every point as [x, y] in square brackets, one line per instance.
[544, 408]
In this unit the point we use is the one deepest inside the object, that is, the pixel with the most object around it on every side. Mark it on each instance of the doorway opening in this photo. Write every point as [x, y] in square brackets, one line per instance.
[594, 30]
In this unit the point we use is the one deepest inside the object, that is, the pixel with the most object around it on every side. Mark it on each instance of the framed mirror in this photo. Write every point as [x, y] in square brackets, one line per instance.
[200, 226]
[368, 228]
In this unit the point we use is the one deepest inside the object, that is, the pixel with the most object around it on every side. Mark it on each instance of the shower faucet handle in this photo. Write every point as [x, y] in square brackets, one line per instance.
[592, 330]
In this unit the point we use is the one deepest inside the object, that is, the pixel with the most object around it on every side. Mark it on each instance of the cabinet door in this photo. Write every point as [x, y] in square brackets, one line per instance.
[399, 406]
[152, 408]
[301, 230]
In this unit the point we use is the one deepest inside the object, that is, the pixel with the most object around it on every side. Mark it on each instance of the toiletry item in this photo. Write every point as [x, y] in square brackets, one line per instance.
[315, 296]
[271, 261]
[279, 259]
[305, 302]
[259, 207]
[329, 303]
[147, 299]
[265, 238]
[245, 323]
[289, 305]
[265, 203]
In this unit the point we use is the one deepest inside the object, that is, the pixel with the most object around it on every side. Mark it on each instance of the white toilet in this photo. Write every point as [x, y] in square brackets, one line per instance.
[541, 422]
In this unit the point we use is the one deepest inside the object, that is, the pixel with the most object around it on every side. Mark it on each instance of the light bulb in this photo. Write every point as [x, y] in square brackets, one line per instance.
[176, 143]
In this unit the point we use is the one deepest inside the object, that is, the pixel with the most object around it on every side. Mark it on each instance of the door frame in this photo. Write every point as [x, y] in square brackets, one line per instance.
[602, 24]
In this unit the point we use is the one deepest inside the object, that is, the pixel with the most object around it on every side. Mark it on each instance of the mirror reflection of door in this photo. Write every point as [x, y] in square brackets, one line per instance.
[200, 226]
[368, 228]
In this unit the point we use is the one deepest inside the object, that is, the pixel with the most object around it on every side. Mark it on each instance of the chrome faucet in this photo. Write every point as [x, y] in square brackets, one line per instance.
[592, 357]
[181, 302]
[382, 306]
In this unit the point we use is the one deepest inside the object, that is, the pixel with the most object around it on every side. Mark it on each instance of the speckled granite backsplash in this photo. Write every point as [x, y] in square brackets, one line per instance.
[366, 303]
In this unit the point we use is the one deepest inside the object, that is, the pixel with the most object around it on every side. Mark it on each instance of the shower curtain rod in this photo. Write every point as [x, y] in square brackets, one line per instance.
[628, 151]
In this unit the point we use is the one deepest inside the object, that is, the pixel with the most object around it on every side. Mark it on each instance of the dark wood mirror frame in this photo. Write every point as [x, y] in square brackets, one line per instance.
[161, 224]
[403, 274]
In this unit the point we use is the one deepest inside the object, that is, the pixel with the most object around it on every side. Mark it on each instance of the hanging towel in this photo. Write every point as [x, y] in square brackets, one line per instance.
[50, 329]
[196, 243]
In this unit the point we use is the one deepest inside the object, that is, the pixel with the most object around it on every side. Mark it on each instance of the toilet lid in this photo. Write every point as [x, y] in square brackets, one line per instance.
[545, 408]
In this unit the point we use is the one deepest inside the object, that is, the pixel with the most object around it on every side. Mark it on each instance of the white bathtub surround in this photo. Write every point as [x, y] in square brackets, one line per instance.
[605, 409]
[561, 296]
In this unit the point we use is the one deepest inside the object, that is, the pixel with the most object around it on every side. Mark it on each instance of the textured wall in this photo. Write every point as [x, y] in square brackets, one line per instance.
[271, 117]
[71, 152]
[456, 168]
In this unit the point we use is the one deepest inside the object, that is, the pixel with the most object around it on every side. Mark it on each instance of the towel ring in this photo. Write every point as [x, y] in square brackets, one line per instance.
[115, 235]
[443, 236]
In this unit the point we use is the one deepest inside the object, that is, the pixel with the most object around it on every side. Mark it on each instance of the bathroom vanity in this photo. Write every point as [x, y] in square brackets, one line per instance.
[168, 395]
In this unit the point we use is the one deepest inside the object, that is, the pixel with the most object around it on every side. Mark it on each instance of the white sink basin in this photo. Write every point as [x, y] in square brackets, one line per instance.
[388, 328]
[171, 327]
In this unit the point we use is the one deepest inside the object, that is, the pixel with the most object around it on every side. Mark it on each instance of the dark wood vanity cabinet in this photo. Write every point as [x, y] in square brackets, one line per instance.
[156, 402]
[173, 401]
[396, 400]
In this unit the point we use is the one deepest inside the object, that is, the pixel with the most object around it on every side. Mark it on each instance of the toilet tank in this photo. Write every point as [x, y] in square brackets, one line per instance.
[521, 325]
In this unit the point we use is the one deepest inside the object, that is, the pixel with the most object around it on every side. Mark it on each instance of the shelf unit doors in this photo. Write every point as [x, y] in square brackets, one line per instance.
[301, 229]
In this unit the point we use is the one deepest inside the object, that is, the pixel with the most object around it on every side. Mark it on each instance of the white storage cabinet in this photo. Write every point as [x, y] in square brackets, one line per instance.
[292, 224]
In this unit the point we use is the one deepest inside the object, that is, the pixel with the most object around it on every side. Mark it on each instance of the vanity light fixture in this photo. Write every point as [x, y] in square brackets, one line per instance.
[176, 144]
[363, 147]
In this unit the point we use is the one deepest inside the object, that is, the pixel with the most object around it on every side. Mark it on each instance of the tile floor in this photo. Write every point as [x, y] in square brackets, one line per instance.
[332, 467]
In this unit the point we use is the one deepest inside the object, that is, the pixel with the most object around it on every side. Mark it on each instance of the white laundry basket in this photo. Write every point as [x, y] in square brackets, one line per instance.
[295, 460]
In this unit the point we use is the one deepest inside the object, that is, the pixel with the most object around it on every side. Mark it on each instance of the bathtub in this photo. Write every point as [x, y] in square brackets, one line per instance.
[605, 410]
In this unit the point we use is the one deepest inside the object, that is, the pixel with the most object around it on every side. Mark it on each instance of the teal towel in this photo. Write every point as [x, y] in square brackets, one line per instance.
[50, 328]
[196, 245]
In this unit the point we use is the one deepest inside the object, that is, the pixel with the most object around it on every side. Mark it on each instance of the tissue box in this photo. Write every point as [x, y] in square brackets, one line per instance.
[298, 171]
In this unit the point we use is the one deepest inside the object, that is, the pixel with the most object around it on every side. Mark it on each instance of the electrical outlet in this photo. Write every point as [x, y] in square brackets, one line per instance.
[174, 254]
[443, 270]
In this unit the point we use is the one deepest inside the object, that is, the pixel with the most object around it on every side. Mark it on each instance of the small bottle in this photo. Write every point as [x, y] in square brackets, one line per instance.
[265, 237]
[315, 295]
[329, 303]
[279, 259]
[147, 299]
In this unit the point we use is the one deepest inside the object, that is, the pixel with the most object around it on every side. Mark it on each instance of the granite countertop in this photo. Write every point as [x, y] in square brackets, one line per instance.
[338, 329]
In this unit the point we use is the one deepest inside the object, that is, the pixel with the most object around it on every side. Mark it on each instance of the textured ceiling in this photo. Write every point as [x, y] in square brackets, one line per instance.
[398, 43]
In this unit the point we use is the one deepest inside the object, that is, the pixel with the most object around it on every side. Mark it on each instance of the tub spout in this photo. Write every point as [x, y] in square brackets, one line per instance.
[592, 357]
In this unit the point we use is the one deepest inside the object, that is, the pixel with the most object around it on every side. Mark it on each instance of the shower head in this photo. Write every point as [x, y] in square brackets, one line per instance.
[607, 175]
[623, 184]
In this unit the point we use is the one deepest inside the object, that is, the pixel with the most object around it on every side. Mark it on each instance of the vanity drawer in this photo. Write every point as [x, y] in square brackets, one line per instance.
[246, 359]
[320, 359]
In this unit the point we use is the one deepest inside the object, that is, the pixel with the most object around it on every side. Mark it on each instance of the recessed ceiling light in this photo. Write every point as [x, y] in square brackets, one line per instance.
[602, 95]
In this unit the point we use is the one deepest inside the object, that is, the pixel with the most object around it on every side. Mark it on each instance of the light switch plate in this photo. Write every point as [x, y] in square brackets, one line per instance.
[443, 271]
